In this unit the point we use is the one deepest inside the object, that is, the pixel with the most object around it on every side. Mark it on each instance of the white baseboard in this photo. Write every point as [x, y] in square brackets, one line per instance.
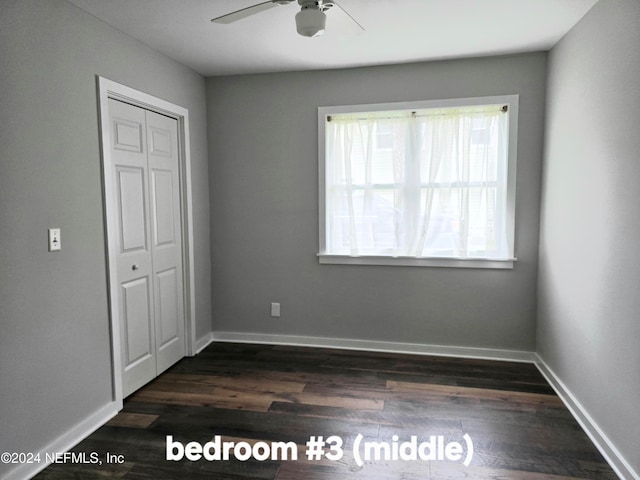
[376, 346]
[588, 424]
[66, 441]
[203, 342]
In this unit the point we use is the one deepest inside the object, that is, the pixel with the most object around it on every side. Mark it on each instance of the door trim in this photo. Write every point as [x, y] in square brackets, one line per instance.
[109, 89]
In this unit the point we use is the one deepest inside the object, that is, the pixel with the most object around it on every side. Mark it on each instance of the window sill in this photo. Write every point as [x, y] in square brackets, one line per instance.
[327, 259]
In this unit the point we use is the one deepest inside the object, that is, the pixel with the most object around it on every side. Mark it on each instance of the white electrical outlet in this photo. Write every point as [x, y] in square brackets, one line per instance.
[275, 309]
[55, 242]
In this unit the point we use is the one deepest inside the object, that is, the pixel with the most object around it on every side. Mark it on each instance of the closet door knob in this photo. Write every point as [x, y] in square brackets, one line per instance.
[134, 267]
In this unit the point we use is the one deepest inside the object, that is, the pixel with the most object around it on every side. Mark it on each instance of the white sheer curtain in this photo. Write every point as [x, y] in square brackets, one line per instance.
[418, 184]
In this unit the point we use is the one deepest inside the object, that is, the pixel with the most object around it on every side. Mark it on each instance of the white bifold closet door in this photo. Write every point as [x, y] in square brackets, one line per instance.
[144, 156]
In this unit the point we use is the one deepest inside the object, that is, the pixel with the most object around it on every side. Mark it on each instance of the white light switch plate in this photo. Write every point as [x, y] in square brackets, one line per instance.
[55, 242]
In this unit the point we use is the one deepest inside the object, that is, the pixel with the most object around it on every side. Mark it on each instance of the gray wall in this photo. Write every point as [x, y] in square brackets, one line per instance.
[264, 212]
[589, 304]
[54, 337]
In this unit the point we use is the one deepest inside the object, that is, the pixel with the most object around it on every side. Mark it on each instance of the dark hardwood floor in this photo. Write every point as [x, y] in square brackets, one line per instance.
[267, 396]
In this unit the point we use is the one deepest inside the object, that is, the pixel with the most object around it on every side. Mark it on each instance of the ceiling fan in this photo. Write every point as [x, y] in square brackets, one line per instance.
[310, 20]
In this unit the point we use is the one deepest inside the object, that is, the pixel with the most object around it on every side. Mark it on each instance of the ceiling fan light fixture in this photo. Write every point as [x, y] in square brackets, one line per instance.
[311, 22]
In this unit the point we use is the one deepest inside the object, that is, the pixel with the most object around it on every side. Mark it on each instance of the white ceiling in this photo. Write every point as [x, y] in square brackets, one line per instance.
[396, 31]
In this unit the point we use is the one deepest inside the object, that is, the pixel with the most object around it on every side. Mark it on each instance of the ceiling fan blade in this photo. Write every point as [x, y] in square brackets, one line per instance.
[245, 12]
[349, 15]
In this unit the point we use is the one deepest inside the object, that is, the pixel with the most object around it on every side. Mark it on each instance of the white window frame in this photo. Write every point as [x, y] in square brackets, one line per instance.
[323, 112]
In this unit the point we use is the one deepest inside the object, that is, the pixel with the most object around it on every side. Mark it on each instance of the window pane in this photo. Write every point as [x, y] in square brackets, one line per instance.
[372, 226]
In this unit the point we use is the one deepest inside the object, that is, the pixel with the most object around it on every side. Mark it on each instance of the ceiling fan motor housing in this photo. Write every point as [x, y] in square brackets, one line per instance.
[311, 19]
[315, 4]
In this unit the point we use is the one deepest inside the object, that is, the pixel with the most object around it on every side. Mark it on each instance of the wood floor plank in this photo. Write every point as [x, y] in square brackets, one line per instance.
[223, 399]
[244, 382]
[380, 418]
[506, 396]
[450, 471]
[133, 420]
[336, 401]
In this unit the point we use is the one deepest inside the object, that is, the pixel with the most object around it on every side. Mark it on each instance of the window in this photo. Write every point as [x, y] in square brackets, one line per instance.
[425, 183]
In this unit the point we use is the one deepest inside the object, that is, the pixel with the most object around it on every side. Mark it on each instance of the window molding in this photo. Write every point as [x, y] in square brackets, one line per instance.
[512, 101]
[446, 262]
